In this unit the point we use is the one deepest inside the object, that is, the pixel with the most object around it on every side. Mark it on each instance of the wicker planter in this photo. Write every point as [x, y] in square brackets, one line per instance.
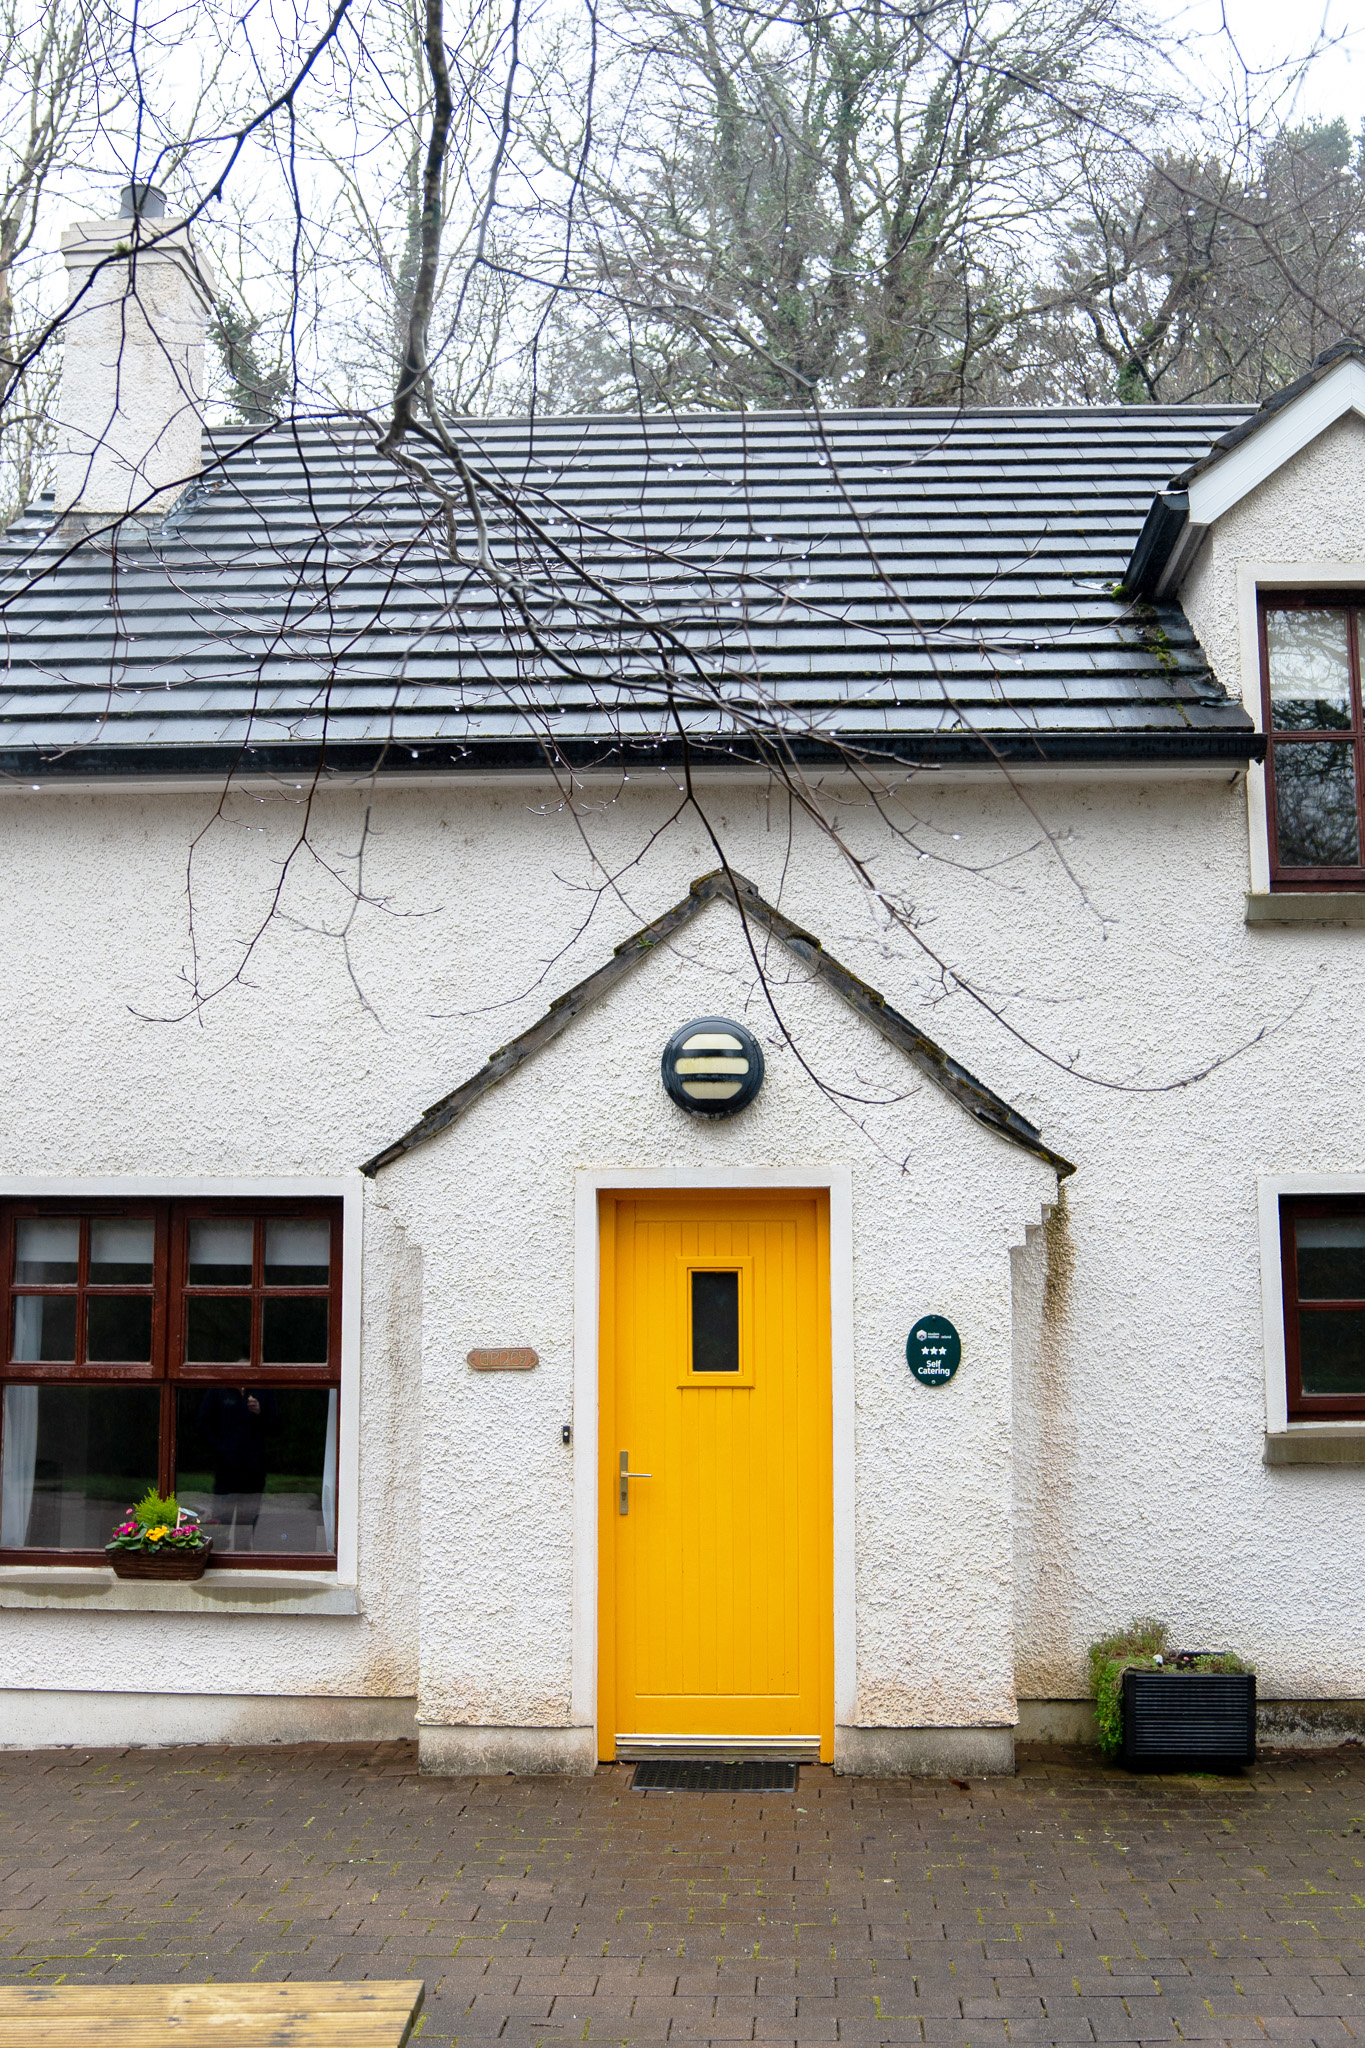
[160, 1564]
[1189, 1717]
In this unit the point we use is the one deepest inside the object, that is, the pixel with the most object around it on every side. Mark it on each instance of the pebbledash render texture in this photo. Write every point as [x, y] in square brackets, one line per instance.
[1070, 1069]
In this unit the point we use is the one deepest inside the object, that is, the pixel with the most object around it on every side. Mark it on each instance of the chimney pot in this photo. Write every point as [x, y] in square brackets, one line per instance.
[147, 201]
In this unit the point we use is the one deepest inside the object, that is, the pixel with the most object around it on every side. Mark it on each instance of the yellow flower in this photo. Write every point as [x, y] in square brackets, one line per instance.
[155, 1535]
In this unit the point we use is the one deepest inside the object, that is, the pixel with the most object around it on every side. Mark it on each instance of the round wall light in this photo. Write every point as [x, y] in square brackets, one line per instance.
[712, 1067]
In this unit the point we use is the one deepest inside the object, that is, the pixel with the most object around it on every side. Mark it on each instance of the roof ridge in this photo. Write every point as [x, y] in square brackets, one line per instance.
[1183, 409]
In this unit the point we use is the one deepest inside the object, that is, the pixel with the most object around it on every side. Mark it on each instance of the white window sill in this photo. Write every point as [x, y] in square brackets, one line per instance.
[1307, 906]
[1316, 1443]
[72, 1587]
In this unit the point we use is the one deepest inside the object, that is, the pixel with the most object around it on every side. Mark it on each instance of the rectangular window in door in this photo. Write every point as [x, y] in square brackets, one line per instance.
[718, 1347]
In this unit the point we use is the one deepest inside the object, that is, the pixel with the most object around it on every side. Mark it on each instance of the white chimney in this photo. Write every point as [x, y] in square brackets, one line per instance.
[131, 411]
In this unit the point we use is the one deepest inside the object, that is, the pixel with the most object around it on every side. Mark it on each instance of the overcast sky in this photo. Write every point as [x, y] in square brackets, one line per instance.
[1267, 31]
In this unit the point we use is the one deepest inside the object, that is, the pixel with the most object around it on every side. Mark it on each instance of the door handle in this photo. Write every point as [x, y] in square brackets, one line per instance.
[626, 1476]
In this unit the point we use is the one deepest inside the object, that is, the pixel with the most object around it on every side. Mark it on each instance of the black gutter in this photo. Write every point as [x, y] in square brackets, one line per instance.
[1234, 745]
[1169, 513]
[1162, 528]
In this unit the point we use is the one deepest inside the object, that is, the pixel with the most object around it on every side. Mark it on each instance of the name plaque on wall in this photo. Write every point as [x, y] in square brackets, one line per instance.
[508, 1359]
[933, 1351]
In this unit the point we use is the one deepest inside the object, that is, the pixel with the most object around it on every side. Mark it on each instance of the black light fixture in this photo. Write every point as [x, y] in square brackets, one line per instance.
[712, 1067]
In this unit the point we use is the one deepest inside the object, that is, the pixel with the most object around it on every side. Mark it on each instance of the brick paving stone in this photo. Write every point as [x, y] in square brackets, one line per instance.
[1072, 1904]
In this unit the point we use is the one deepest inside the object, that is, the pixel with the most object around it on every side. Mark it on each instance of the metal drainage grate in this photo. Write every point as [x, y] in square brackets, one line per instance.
[698, 1774]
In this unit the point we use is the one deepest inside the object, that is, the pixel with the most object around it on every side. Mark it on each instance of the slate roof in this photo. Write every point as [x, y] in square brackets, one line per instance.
[919, 585]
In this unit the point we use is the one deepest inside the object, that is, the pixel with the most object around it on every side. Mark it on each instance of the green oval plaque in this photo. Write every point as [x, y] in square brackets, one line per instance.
[933, 1350]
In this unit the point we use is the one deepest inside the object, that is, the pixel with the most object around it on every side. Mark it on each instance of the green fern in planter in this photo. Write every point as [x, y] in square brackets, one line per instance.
[1145, 1645]
[1137, 1646]
[152, 1512]
[155, 1524]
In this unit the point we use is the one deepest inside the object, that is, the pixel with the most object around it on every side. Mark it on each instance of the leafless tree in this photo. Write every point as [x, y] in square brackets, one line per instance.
[1207, 277]
[833, 205]
[698, 204]
[55, 61]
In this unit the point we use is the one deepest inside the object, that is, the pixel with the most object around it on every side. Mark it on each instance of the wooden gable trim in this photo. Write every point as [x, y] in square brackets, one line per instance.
[937, 1065]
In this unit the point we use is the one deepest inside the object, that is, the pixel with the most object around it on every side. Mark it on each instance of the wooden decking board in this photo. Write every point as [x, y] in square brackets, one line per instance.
[370, 2014]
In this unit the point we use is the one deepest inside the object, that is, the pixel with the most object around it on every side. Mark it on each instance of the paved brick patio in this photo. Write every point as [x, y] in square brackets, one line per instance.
[1069, 1904]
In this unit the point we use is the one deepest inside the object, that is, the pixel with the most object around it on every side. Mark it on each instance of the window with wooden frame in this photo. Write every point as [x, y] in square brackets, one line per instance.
[1322, 1254]
[194, 1346]
[1315, 755]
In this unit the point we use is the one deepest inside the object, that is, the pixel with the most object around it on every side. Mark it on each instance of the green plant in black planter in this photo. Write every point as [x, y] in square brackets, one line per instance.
[1145, 1645]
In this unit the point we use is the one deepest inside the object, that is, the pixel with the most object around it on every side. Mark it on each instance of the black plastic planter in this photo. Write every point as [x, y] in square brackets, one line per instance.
[1189, 1717]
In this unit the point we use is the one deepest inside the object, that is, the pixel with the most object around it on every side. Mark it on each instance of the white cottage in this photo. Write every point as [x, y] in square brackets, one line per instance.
[882, 1223]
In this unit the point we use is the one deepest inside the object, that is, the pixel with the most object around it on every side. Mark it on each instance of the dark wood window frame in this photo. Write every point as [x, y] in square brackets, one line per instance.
[1352, 604]
[1301, 1406]
[170, 1291]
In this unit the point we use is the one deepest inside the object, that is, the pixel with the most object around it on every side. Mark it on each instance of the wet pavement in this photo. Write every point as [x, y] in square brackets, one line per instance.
[1071, 1903]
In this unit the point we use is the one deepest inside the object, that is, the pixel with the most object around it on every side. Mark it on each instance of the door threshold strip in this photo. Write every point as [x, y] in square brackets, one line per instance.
[743, 1749]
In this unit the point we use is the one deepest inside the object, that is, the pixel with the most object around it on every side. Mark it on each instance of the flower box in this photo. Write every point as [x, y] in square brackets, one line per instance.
[163, 1564]
[158, 1539]
[1174, 1717]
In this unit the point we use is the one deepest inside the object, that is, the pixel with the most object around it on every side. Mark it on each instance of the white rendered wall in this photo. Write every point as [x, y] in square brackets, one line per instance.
[1105, 925]
[937, 1203]
[1309, 514]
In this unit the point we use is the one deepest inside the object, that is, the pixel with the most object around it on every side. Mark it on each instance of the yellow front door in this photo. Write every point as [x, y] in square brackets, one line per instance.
[716, 1620]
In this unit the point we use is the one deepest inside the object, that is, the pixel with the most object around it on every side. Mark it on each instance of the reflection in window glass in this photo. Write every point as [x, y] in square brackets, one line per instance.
[217, 1330]
[297, 1252]
[259, 1465]
[1332, 1350]
[1315, 805]
[1310, 676]
[715, 1322]
[220, 1252]
[74, 1459]
[294, 1332]
[47, 1250]
[1331, 1258]
[44, 1329]
[118, 1328]
[121, 1250]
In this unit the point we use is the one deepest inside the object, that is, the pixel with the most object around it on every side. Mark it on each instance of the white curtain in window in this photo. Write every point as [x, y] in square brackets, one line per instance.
[28, 1332]
[16, 1477]
[329, 1475]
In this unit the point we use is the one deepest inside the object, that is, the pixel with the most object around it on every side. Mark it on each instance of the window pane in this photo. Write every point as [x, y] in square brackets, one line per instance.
[1330, 1252]
[297, 1252]
[44, 1329]
[715, 1322]
[294, 1332]
[47, 1250]
[121, 1251]
[1332, 1350]
[118, 1327]
[217, 1331]
[259, 1464]
[1310, 677]
[74, 1459]
[220, 1252]
[1315, 805]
